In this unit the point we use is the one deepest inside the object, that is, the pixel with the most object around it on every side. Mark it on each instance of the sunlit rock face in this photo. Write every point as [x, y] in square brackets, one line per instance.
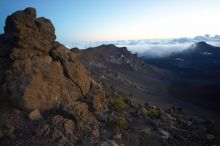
[42, 73]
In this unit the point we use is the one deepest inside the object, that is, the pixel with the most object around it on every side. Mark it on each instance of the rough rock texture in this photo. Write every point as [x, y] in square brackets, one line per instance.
[98, 100]
[81, 113]
[29, 36]
[43, 72]
[77, 74]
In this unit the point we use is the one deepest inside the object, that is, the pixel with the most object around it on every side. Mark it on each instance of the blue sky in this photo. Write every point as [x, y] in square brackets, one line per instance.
[98, 20]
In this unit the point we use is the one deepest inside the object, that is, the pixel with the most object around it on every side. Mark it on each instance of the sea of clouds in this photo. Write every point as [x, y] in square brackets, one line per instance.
[152, 47]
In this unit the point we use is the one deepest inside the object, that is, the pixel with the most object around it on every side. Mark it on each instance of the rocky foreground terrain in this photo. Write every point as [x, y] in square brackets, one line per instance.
[50, 96]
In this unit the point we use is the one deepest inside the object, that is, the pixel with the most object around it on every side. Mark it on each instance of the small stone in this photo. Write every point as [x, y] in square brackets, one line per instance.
[189, 123]
[57, 120]
[144, 110]
[117, 137]
[146, 131]
[69, 127]
[56, 133]
[165, 133]
[59, 137]
[168, 116]
[154, 106]
[173, 118]
[35, 115]
[210, 137]
[43, 130]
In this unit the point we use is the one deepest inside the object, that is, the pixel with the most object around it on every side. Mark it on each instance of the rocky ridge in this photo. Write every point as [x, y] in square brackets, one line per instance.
[49, 98]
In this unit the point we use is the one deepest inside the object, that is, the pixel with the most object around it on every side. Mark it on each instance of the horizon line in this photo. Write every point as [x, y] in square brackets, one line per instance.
[162, 38]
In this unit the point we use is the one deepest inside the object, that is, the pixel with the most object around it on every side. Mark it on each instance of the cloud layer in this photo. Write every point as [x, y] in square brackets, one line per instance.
[152, 48]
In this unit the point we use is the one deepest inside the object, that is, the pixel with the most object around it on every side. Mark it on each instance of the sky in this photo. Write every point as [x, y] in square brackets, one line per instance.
[106, 20]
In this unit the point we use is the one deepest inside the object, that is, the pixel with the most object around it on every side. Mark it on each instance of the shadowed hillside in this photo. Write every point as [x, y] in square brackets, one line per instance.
[51, 95]
[196, 77]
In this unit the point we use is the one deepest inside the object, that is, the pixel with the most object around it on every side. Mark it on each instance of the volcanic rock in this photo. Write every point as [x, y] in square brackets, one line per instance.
[28, 36]
[43, 73]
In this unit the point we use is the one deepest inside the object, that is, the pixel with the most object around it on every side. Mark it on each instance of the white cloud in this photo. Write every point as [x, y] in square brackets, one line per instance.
[152, 48]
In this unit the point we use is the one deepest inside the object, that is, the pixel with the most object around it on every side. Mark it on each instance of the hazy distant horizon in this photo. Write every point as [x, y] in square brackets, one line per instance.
[151, 47]
[100, 20]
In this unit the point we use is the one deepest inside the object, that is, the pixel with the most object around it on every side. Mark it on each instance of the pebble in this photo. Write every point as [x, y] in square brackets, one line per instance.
[35, 115]
[165, 133]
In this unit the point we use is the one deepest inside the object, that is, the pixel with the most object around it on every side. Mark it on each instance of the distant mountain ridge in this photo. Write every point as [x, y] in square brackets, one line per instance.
[201, 58]
[87, 44]
[196, 74]
[151, 47]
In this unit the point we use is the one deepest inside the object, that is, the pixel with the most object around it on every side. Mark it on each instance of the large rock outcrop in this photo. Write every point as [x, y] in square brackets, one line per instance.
[42, 72]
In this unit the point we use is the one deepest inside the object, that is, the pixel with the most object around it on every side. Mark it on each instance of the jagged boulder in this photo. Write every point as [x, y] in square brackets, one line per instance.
[42, 73]
[28, 36]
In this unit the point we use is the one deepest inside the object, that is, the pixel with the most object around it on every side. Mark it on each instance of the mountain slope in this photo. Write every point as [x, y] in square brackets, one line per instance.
[125, 72]
[196, 78]
[200, 59]
[49, 98]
